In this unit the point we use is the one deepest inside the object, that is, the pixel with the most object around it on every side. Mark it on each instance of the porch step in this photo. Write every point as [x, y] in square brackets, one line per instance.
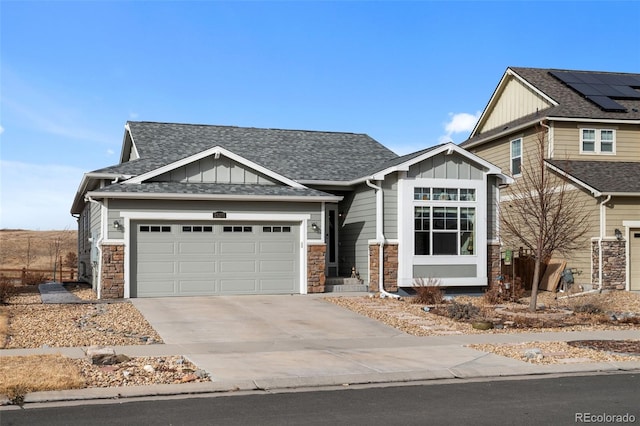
[339, 284]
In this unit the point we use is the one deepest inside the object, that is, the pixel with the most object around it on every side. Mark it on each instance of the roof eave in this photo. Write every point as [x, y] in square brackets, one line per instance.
[595, 192]
[216, 197]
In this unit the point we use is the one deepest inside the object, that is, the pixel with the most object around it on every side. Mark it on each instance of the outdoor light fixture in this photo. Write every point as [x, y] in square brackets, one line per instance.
[618, 234]
[314, 226]
[117, 224]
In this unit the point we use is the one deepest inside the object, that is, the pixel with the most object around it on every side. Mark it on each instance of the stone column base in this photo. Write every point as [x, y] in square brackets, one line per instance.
[316, 268]
[390, 258]
[614, 264]
[112, 273]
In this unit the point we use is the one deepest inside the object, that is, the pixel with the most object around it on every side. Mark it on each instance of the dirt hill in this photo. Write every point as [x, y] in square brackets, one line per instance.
[34, 249]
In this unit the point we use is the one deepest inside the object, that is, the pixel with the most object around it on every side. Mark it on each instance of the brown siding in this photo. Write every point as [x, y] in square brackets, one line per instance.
[566, 142]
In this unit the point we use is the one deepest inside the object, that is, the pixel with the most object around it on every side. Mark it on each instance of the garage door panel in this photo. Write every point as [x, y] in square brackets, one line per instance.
[194, 267]
[193, 263]
[156, 247]
[156, 268]
[197, 247]
[237, 247]
[278, 285]
[238, 266]
[159, 287]
[194, 287]
[278, 247]
[277, 266]
[238, 285]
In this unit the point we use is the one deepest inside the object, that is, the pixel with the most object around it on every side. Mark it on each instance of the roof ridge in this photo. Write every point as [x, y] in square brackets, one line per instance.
[573, 70]
[247, 127]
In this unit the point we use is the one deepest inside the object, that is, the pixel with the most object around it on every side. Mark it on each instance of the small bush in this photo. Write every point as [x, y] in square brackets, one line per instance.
[462, 311]
[33, 278]
[587, 308]
[7, 288]
[428, 292]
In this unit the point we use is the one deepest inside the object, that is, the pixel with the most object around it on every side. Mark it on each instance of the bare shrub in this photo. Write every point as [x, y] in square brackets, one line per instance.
[462, 311]
[428, 291]
[34, 278]
[7, 289]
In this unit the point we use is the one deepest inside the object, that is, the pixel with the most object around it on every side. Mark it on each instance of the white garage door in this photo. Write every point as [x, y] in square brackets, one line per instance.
[192, 259]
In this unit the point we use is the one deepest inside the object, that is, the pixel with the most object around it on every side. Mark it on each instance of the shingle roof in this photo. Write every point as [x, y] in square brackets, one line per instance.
[296, 154]
[211, 189]
[571, 104]
[603, 176]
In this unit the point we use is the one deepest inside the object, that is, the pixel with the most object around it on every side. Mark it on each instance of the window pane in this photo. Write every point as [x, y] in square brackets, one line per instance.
[208, 229]
[588, 134]
[467, 195]
[445, 243]
[516, 148]
[467, 218]
[438, 217]
[606, 135]
[227, 229]
[421, 244]
[606, 147]
[266, 229]
[286, 229]
[515, 166]
[197, 229]
[452, 218]
[588, 146]
[186, 229]
[422, 193]
[466, 243]
[166, 229]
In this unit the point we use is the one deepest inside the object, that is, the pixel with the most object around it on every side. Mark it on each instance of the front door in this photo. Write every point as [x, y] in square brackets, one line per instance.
[331, 239]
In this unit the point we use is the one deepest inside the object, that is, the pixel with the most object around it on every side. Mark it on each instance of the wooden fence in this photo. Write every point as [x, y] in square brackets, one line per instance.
[521, 266]
[24, 275]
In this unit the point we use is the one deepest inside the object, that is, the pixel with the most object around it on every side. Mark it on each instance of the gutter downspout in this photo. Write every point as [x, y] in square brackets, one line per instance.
[381, 240]
[602, 232]
[549, 150]
[99, 248]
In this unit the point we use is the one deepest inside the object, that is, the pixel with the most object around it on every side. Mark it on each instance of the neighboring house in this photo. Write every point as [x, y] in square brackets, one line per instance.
[593, 121]
[209, 210]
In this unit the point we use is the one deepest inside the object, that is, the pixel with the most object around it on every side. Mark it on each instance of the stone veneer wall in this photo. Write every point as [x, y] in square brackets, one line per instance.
[316, 268]
[614, 264]
[390, 259]
[494, 263]
[112, 279]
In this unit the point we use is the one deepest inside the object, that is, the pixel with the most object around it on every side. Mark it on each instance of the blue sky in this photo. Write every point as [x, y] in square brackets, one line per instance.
[409, 74]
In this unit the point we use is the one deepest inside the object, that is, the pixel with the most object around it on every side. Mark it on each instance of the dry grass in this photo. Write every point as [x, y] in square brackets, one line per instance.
[14, 245]
[4, 326]
[20, 375]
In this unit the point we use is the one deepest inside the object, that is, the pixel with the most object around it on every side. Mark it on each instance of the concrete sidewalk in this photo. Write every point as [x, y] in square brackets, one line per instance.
[256, 356]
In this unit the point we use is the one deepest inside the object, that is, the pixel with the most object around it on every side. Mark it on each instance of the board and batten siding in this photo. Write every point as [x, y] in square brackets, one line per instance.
[566, 141]
[214, 170]
[443, 166]
[174, 206]
[515, 101]
[492, 208]
[390, 214]
[357, 228]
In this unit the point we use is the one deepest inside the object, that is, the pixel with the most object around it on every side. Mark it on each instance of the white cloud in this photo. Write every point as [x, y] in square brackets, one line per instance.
[110, 152]
[133, 115]
[36, 196]
[1, 130]
[459, 123]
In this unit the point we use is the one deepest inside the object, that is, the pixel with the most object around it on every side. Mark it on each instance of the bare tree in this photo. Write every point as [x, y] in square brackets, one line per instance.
[543, 214]
[54, 248]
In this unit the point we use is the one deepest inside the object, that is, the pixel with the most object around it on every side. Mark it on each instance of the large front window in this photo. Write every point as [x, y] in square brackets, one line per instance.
[444, 229]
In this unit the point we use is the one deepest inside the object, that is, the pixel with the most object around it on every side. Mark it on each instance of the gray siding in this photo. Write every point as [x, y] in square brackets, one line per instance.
[357, 228]
[84, 245]
[174, 206]
[212, 170]
[390, 214]
[444, 166]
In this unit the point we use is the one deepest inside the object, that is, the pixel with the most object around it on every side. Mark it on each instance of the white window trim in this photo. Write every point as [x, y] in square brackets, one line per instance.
[597, 148]
[406, 257]
[511, 156]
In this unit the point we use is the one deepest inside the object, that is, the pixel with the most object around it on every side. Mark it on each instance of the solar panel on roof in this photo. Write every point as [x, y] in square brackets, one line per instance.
[602, 88]
[606, 103]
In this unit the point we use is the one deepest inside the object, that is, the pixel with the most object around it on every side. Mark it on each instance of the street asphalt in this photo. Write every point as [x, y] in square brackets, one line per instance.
[250, 343]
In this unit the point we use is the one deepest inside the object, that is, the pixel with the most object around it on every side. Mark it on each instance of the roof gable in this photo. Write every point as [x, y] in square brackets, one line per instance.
[294, 154]
[514, 98]
[193, 168]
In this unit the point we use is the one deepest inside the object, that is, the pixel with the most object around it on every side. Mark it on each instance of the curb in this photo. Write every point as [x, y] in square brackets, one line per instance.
[289, 383]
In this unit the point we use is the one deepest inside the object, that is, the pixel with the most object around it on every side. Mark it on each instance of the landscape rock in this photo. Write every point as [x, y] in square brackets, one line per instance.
[101, 355]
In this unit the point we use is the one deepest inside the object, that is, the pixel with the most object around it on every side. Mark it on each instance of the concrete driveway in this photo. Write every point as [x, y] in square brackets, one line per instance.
[256, 319]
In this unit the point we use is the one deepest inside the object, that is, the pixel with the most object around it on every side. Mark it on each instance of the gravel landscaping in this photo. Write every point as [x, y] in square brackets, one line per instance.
[414, 319]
